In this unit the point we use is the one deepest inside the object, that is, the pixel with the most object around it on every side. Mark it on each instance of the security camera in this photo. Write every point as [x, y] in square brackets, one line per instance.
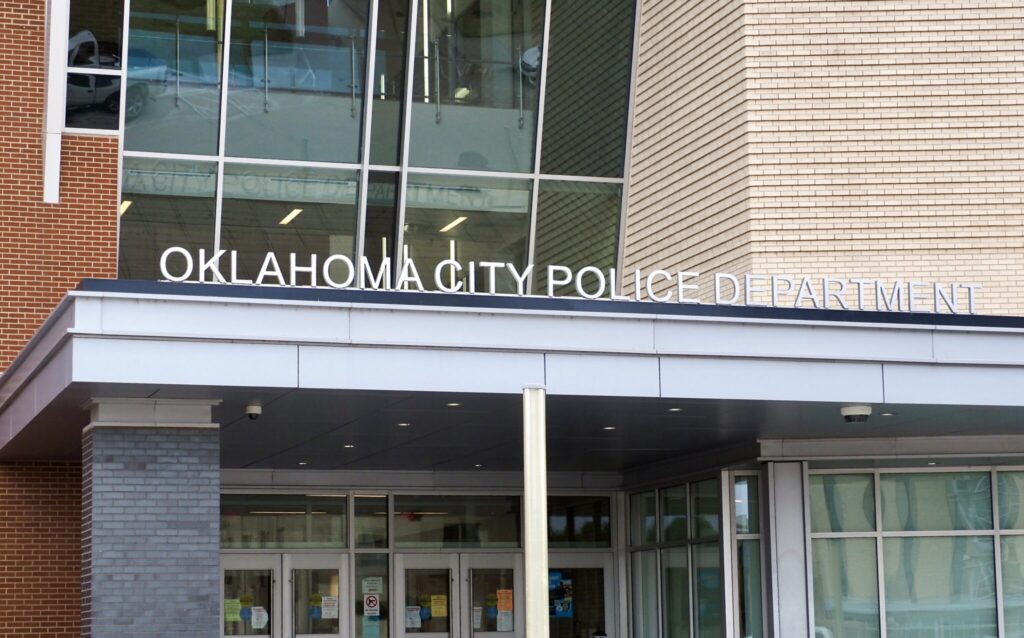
[855, 413]
[253, 411]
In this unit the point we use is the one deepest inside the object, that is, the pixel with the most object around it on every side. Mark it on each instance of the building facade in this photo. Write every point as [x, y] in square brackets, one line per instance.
[276, 272]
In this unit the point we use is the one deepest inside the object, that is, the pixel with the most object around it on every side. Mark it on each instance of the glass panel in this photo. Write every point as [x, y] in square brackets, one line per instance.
[248, 602]
[748, 568]
[492, 600]
[388, 89]
[93, 101]
[94, 33]
[675, 585]
[316, 607]
[643, 519]
[474, 99]
[579, 521]
[747, 504]
[942, 501]
[1012, 554]
[673, 514]
[576, 602]
[645, 594]
[706, 508]
[707, 580]
[372, 580]
[456, 521]
[842, 503]
[587, 91]
[281, 521]
[381, 218]
[1011, 500]
[285, 210]
[164, 203]
[577, 226]
[174, 60]
[371, 522]
[940, 587]
[845, 588]
[467, 219]
[295, 88]
[430, 590]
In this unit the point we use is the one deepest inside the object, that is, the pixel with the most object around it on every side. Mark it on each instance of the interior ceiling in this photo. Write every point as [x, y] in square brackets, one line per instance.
[313, 428]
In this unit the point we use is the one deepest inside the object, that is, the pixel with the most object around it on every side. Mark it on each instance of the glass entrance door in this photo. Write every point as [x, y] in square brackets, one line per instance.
[251, 595]
[581, 595]
[317, 598]
[460, 595]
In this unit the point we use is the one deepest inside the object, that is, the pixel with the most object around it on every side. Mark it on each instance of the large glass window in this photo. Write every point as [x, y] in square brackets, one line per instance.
[579, 521]
[475, 81]
[747, 543]
[295, 90]
[93, 98]
[387, 87]
[457, 521]
[845, 587]
[286, 521]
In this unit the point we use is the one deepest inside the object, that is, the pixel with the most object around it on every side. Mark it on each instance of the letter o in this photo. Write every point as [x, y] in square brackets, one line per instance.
[327, 271]
[188, 263]
[600, 280]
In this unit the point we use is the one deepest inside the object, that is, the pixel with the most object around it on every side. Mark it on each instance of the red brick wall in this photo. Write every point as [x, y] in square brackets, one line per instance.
[45, 249]
[40, 549]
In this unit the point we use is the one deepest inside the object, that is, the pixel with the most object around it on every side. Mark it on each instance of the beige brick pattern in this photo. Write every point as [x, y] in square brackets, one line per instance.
[882, 139]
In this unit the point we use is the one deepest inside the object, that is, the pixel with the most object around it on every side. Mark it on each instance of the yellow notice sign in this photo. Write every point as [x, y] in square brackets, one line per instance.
[439, 606]
[504, 600]
[232, 610]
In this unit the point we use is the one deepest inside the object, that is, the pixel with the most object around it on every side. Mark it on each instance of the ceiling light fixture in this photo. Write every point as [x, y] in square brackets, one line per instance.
[456, 222]
[349, 446]
[608, 427]
[290, 216]
[303, 463]
[124, 206]
[478, 465]
[454, 405]
[888, 414]
[674, 409]
[404, 425]
[931, 463]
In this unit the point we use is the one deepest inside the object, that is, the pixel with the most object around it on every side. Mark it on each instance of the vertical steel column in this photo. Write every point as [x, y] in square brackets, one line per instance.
[535, 510]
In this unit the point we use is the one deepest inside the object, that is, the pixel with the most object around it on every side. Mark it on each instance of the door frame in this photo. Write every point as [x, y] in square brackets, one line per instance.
[328, 560]
[513, 561]
[575, 559]
[254, 561]
[402, 562]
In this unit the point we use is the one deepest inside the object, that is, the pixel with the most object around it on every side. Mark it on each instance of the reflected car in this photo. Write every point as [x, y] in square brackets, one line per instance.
[148, 73]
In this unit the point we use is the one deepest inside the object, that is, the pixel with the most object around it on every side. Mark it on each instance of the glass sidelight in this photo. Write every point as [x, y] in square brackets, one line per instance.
[317, 600]
[250, 595]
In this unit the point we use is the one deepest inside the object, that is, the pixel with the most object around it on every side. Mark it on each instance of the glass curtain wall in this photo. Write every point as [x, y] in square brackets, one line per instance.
[918, 554]
[675, 542]
[428, 116]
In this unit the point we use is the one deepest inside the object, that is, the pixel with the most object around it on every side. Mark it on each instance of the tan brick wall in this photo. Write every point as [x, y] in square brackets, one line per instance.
[45, 249]
[884, 139]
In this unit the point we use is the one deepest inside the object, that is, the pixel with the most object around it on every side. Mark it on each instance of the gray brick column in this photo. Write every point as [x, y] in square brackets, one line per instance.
[150, 520]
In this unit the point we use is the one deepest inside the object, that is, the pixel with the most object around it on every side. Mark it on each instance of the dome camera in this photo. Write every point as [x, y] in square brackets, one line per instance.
[855, 413]
[253, 411]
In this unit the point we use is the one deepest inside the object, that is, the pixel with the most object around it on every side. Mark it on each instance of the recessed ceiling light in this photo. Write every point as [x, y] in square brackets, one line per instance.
[349, 446]
[302, 463]
[403, 425]
[454, 405]
[608, 427]
[931, 463]
[290, 216]
[674, 409]
[479, 465]
[888, 414]
[453, 224]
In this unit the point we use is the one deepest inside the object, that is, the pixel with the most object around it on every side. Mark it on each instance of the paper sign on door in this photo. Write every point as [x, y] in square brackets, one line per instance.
[439, 606]
[232, 610]
[260, 617]
[371, 605]
[504, 600]
[373, 585]
[329, 607]
[412, 618]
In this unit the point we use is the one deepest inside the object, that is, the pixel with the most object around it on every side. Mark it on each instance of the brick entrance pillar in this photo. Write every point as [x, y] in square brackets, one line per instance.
[150, 520]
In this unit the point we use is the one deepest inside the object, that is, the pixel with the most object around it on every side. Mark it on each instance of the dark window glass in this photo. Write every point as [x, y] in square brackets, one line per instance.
[576, 598]
[587, 91]
[164, 203]
[283, 210]
[93, 101]
[388, 84]
[579, 521]
[381, 216]
[174, 60]
[457, 521]
[275, 521]
[94, 33]
[371, 522]
[372, 578]
[577, 226]
[295, 90]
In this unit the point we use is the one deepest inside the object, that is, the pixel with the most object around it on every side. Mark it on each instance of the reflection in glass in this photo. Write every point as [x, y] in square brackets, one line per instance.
[492, 593]
[940, 586]
[371, 578]
[306, 211]
[248, 602]
[673, 514]
[706, 507]
[164, 203]
[645, 594]
[467, 219]
[268, 521]
[842, 503]
[457, 521]
[675, 585]
[577, 226]
[747, 517]
[371, 522]
[748, 575]
[430, 590]
[387, 89]
[475, 83]
[939, 501]
[93, 101]
[587, 91]
[174, 57]
[1011, 500]
[845, 587]
[643, 522]
[1012, 554]
[579, 521]
[576, 598]
[94, 33]
[707, 579]
[295, 89]
[381, 218]
[311, 613]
